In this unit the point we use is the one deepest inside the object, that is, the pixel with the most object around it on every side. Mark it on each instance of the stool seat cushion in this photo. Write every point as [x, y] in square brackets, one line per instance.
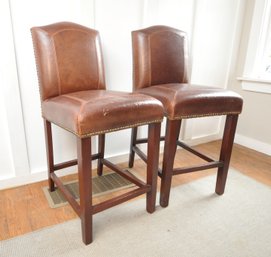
[182, 101]
[93, 112]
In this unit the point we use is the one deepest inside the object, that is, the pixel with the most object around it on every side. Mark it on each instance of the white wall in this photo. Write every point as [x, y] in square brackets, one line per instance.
[211, 28]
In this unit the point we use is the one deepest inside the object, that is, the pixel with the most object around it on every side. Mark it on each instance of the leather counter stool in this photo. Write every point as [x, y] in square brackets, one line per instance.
[160, 63]
[74, 97]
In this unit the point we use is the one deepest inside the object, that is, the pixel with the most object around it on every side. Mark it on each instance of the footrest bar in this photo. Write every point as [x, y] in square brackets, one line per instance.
[67, 164]
[66, 193]
[124, 173]
[196, 168]
[64, 165]
[140, 154]
[120, 199]
[195, 152]
[145, 140]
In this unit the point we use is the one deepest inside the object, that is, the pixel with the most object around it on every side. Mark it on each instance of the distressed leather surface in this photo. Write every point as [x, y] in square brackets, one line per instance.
[188, 101]
[96, 111]
[160, 65]
[72, 84]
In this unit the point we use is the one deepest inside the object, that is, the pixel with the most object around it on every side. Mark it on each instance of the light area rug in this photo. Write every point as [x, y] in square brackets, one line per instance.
[197, 223]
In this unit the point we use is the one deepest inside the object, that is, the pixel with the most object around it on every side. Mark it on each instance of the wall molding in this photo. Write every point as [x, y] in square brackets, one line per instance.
[255, 85]
[30, 178]
[12, 94]
[253, 144]
[202, 140]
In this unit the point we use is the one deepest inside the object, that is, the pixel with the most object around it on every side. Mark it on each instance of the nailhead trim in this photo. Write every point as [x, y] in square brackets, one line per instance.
[108, 130]
[143, 123]
[202, 115]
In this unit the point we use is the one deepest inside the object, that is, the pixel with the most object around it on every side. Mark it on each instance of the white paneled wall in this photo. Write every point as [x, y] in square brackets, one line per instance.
[211, 53]
[209, 24]
[13, 150]
[213, 36]
[175, 13]
[7, 169]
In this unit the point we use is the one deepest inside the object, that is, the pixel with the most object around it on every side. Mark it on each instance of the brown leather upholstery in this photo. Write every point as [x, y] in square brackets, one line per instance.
[183, 101]
[160, 60]
[154, 61]
[74, 97]
[91, 112]
[62, 65]
[72, 84]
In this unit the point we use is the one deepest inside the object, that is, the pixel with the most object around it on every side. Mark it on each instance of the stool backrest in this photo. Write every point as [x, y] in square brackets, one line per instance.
[160, 56]
[68, 59]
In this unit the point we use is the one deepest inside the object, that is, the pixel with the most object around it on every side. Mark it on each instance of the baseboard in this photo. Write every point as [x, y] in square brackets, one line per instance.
[253, 144]
[202, 140]
[30, 178]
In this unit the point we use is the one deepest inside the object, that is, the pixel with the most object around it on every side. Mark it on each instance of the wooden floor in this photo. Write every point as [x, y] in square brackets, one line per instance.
[25, 209]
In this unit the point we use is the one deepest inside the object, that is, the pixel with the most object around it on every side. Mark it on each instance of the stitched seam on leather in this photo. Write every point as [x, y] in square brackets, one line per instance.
[186, 59]
[81, 108]
[202, 115]
[107, 130]
[77, 29]
[174, 98]
[149, 61]
[165, 29]
[85, 32]
[98, 70]
[134, 66]
[53, 34]
[83, 103]
[37, 68]
[57, 70]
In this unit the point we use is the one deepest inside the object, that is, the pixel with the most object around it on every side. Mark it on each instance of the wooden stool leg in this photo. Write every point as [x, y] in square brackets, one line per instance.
[133, 143]
[172, 134]
[85, 187]
[152, 164]
[50, 153]
[101, 152]
[225, 153]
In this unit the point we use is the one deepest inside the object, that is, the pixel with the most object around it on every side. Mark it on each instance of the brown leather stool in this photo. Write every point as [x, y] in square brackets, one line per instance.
[74, 97]
[160, 70]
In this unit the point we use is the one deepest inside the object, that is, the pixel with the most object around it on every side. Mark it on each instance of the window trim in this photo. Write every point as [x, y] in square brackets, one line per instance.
[255, 84]
[253, 79]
